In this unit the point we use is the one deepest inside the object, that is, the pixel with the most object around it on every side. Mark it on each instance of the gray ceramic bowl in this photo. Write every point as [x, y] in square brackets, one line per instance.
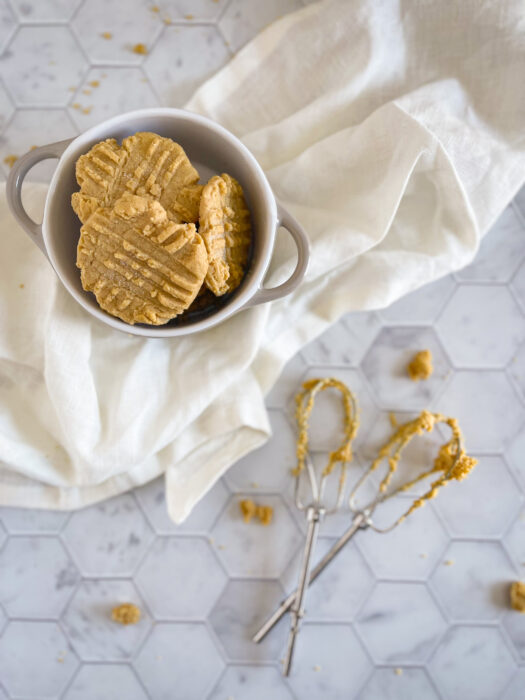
[212, 149]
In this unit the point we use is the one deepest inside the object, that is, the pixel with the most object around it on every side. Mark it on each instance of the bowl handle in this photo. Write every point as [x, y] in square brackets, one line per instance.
[294, 228]
[14, 187]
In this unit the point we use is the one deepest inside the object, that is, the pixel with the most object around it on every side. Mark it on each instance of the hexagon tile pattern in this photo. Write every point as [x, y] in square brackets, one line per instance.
[421, 613]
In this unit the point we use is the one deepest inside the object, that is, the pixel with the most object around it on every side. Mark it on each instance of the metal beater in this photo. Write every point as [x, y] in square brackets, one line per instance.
[452, 463]
[315, 509]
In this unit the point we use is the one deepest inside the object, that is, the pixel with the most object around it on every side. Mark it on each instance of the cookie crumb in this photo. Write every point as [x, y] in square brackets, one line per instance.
[107, 35]
[141, 49]
[420, 366]
[72, 89]
[94, 83]
[423, 555]
[254, 485]
[398, 671]
[250, 509]
[317, 668]
[448, 562]
[393, 420]
[221, 546]
[10, 160]
[33, 147]
[86, 92]
[189, 17]
[265, 514]
[21, 285]
[126, 614]
[167, 20]
[517, 596]
[87, 110]
[155, 8]
[75, 105]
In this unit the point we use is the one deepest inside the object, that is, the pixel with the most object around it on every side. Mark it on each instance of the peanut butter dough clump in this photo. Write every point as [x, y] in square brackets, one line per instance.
[517, 596]
[126, 614]
[420, 367]
[250, 509]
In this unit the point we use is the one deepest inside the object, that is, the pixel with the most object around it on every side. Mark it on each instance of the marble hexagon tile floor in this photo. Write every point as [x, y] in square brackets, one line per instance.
[388, 602]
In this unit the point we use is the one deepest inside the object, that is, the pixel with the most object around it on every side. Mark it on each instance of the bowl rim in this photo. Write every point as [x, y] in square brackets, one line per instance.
[250, 286]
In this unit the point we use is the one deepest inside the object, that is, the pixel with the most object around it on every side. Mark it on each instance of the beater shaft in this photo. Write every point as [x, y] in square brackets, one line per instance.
[358, 522]
[313, 515]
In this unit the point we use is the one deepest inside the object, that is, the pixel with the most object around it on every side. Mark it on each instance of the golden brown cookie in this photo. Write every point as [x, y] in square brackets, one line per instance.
[142, 267]
[224, 224]
[147, 165]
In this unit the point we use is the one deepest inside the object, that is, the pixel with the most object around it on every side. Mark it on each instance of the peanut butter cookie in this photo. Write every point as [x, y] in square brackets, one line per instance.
[142, 267]
[146, 164]
[224, 224]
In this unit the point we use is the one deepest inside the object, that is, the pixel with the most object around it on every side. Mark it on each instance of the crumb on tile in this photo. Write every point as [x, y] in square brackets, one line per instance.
[76, 105]
[86, 92]
[250, 509]
[423, 555]
[107, 35]
[155, 8]
[10, 160]
[517, 596]
[254, 485]
[189, 17]
[398, 671]
[448, 562]
[87, 110]
[94, 83]
[167, 20]
[126, 614]
[317, 668]
[420, 366]
[141, 49]
[393, 420]
[265, 514]
[221, 546]
[72, 89]
[21, 285]
[33, 147]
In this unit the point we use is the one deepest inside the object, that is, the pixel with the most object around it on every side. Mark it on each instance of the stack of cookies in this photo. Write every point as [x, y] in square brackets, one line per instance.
[154, 242]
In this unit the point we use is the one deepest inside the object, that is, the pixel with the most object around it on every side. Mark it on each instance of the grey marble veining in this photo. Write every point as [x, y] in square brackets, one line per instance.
[420, 614]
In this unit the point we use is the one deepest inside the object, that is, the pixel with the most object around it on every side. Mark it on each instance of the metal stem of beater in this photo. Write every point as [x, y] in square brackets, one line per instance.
[314, 515]
[357, 523]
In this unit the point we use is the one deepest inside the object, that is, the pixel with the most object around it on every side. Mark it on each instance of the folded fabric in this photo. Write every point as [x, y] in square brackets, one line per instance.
[396, 136]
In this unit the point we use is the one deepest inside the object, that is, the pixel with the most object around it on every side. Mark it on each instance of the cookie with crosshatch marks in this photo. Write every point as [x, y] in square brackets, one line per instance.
[147, 165]
[141, 266]
[224, 224]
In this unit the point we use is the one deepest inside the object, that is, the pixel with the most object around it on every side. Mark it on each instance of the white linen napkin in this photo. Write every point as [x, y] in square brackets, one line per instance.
[395, 135]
